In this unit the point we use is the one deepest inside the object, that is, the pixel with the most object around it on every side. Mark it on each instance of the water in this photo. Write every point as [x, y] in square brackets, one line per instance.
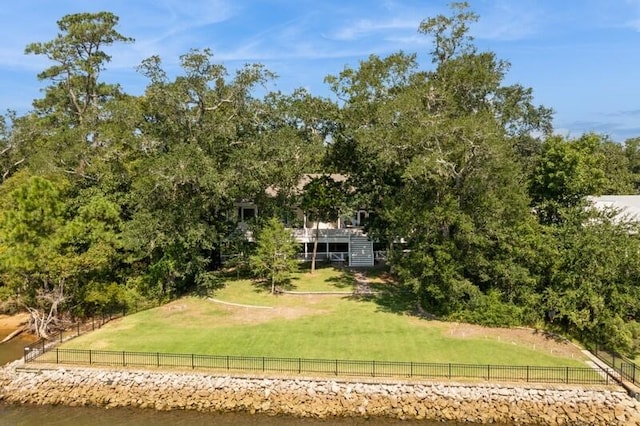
[26, 415]
[12, 350]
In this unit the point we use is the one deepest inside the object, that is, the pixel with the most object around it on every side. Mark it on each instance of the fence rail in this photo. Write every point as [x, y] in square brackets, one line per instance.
[625, 367]
[44, 345]
[336, 367]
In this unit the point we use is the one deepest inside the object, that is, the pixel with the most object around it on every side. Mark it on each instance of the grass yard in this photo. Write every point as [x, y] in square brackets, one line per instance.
[245, 319]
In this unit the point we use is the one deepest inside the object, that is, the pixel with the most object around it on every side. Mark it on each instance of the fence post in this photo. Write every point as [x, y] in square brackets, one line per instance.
[567, 374]
[227, 362]
[411, 369]
[299, 365]
[89, 356]
[123, 361]
[373, 368]
[158, 359]
[57, 358]
[488, 372]
[527, 374]
[193, 365]
[336, 367]
[449, 370]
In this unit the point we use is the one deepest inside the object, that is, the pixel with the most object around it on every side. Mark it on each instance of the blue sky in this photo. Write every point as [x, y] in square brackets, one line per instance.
[581, 57]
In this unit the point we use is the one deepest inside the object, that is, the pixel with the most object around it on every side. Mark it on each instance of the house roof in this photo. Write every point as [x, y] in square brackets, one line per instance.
[305, 179]
[628, 206]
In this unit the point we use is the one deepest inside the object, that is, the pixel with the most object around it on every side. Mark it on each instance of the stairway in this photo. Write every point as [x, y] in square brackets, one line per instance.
[360, 251]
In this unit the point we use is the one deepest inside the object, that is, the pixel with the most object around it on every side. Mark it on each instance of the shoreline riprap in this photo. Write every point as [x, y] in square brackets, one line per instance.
[321, 398]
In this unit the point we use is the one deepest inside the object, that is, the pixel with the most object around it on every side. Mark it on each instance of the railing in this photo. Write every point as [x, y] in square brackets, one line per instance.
[332, 256]
[625, 367]
[335, 367]
[310, 233]
[380, 255]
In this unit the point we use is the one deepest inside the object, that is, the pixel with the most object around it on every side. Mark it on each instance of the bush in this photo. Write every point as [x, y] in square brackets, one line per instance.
[489, 310]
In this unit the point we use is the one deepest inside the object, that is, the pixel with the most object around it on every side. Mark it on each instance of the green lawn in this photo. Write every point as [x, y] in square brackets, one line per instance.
[328, 326]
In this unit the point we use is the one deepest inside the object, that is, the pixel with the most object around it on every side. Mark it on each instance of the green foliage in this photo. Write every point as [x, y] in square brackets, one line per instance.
[567, 171]
[591, 288]
[274, 258]
[77, 52]
[433, 154]
[490, 310]
[323, 198]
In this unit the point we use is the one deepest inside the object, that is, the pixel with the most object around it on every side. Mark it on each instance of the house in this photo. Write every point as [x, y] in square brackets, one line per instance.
[341, 241]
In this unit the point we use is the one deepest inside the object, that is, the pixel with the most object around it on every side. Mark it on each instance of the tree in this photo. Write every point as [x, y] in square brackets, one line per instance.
[194, 132]
[434, 154]
[632, 152]
[590, 289]
[79, 56]
[276, 249]
[51, 251]
[323, 199]
[567, 171]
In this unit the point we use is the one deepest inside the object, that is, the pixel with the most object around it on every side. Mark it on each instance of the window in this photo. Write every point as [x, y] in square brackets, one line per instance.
[362, 216]
[248, 213]
[339, 247]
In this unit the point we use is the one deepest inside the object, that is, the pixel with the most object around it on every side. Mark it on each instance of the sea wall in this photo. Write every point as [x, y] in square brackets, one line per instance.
[161, 390]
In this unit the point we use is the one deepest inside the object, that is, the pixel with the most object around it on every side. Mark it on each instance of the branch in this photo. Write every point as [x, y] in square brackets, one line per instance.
[73, 172]
[218, 105]
[8, 171]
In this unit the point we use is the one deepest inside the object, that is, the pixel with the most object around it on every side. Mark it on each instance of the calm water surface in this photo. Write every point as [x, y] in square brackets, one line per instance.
[24, 415]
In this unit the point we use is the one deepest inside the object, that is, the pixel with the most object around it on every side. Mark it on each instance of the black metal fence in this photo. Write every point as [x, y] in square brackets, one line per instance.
[625, 367]
[336, 367]
[76, 329]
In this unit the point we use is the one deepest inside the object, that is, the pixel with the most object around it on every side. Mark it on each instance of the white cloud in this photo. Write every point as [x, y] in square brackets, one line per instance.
[635, 24]
[508, 21]
[366, 27]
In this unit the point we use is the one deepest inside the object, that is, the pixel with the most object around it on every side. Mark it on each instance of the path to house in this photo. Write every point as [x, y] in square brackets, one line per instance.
[362, 283]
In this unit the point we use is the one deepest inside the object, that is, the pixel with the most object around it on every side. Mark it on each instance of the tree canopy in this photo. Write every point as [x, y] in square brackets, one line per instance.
[107, 197]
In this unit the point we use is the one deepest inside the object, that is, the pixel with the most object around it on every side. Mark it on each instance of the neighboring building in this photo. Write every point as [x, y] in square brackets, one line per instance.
[626, 206]
[341, 241]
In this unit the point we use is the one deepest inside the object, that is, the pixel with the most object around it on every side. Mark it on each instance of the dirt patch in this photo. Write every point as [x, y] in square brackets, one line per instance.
[531, 338]
[199, 311]
[245, 315]
[13, 321]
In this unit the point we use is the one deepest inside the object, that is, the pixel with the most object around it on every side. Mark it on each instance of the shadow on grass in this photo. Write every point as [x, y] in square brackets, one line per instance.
[344, 281]
[391, 297]
[388, 294]
[264, 286]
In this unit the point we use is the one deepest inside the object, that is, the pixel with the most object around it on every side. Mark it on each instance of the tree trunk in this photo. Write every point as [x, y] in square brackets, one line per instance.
[315, 248]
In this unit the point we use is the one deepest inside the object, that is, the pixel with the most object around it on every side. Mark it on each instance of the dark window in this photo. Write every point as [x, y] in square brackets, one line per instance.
[322, 247]
[248, 213]
[362, 216]
[339, 247]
